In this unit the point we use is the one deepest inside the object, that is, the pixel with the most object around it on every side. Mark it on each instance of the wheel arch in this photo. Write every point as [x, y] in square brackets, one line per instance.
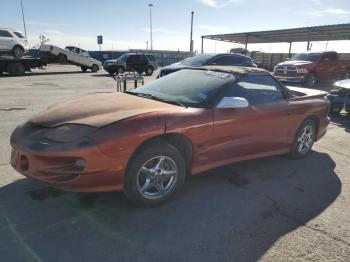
[179, 141]
[17, 45]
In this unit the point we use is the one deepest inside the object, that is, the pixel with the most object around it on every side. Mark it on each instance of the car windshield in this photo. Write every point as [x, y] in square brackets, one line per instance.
[190, 88]
[18, 34]
[198, 60]
[312, 57]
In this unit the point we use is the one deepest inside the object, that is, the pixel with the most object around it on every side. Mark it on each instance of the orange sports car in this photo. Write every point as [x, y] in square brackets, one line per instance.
[147, 141]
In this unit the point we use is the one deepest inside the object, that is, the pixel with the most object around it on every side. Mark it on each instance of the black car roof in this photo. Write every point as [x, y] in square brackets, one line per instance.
[232, 69]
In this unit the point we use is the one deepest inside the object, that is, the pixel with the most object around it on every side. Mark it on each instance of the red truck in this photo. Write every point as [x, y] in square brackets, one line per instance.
[311, 67]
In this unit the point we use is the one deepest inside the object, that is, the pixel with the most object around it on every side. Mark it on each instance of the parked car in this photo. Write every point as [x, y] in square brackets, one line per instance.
[71, 54]
[340, 97]
[132, 62]
[13, 42]
[147, 141]
[311, 67]
[208, 59]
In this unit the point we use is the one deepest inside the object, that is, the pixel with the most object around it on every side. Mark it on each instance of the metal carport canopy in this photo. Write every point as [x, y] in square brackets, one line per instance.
[303, 34]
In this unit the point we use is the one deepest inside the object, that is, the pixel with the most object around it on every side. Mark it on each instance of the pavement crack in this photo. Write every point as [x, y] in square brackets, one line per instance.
[13, 109]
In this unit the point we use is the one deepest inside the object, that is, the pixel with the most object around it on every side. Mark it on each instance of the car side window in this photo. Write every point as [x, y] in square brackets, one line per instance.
[131, 59]
[4, 33]
[143, 59]
[257, 89]
[229, 60]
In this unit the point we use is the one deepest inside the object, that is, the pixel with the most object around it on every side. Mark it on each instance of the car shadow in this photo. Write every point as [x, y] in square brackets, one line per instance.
[236, 212]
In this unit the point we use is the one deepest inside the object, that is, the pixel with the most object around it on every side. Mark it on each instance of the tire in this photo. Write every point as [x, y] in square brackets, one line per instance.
[336, 109]
[149, 71]
[16, 69]
[311, 80]
[62, 59]
[83, 68]
[120, 70]
[154, 186]
[17, 51]
[304, 139]
[94, 68]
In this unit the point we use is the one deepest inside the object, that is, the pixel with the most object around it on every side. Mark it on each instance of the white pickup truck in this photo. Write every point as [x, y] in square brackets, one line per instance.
[72, 55]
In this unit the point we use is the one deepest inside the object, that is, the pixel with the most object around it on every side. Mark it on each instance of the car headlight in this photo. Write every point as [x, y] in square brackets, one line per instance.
[301, 70]
[68, 133]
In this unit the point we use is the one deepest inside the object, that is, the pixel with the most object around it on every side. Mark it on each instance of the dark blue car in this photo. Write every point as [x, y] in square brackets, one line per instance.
[340, 97]
[209, 59]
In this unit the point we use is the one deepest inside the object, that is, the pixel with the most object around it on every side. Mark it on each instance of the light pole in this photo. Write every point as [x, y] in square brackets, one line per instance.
[191, 38]
[150, 24]
[24, 22]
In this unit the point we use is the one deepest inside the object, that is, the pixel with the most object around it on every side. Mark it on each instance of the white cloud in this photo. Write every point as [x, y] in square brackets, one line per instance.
[327, 12]
[217, 3]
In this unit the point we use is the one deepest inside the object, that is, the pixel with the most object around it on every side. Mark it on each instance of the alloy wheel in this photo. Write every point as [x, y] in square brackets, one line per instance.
[305, 140]
[157, 177]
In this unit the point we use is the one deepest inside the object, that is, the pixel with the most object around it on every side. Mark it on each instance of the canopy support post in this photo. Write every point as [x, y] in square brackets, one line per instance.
[202, 50]
[290, 49]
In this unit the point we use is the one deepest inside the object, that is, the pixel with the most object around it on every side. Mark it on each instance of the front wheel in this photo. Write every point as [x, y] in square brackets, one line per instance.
[336, 109]
[154, 175]
[94, 68]
[304, 139]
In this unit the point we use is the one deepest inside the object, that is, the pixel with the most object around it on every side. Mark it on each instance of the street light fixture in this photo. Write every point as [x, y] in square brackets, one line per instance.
[150, 24]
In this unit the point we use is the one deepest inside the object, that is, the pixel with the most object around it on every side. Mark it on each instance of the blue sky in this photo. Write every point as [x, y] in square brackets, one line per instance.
[125, 24]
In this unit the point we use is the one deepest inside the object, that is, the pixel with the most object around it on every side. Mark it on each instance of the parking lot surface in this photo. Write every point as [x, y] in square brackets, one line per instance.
[271, 209]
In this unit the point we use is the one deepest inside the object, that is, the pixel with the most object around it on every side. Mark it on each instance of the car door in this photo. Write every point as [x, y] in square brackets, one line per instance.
[131, 62]
[260, 128]
[6, 40]
[326, 68]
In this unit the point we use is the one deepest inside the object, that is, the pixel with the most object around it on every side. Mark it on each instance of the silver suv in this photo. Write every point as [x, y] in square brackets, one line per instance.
[13, 42]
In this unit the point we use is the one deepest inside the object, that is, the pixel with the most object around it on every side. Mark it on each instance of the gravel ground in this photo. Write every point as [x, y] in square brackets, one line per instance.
[271, 209]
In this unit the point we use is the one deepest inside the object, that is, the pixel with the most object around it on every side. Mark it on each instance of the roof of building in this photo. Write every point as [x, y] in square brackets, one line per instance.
[303, 34]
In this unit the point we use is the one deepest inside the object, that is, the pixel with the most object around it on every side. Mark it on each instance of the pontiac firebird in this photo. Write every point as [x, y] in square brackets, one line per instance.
[146, 141]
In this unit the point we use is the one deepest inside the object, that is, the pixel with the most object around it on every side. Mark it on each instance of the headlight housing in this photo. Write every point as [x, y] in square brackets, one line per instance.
[301, 70]
[69, 133]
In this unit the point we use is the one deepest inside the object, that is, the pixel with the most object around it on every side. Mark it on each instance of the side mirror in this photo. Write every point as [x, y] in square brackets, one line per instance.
[233, 102]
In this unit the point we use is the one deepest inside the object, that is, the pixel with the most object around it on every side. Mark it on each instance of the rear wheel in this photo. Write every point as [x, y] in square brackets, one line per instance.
[149, 71]
[94, 68]
[304, 139]
[18, 51]
[84, 69]
[154, 175]
[311, 80]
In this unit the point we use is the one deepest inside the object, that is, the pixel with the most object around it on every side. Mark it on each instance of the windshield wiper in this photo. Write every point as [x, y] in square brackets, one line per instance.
[156, 98]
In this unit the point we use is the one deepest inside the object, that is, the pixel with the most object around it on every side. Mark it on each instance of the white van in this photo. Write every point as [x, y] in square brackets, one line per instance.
[13, 42]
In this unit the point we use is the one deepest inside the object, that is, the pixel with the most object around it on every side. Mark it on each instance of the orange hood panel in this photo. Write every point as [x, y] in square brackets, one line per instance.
[98, 109]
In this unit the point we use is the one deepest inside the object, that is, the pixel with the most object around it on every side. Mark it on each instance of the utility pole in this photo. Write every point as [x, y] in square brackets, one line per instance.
[150, 25]
[24, 22]
[191, 38]
[147, 45]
